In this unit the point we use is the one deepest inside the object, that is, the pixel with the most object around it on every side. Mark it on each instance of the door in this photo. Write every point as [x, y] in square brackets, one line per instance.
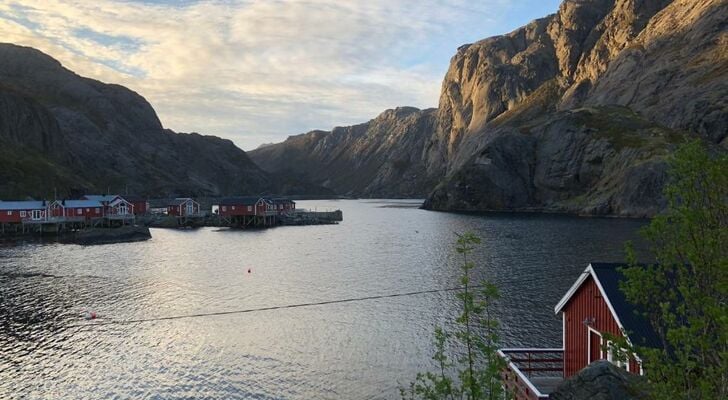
[190, 208]
[595, 346]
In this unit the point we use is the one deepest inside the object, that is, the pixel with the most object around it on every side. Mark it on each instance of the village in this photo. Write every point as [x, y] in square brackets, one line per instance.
[115, 211]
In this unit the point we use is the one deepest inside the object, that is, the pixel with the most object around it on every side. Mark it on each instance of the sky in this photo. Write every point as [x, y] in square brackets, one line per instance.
[257, 71]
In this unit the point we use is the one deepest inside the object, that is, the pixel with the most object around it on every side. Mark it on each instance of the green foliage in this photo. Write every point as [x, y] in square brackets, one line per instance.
[475, 374]
[684, 294]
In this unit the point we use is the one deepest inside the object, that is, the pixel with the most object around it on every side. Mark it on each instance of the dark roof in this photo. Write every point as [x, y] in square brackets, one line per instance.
[179, 201]
[281, 200]
[133, 198]
[238, 201]
[638, 328]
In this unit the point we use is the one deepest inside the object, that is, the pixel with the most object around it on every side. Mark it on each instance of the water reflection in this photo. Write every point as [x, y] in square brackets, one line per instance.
[350, 350]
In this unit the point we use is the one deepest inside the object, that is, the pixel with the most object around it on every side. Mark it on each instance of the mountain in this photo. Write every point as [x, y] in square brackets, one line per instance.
[380, 158]
[61, 131]
[575, 112]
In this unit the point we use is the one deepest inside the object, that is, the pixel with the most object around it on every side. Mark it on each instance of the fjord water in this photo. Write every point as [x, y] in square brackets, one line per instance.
[352, 350]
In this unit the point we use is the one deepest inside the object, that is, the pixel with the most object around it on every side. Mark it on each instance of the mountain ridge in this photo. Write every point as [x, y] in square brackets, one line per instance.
[65, 134]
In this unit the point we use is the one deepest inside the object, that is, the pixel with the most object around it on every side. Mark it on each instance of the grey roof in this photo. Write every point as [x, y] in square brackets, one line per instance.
[79, 203]
[22, 205]
[638, 328]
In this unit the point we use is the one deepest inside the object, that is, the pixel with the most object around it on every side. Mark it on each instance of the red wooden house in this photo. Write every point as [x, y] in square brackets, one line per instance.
[113, 203]
[14, 212]
[183, 207]
[76, 210]
[245, 206]
[591, 308]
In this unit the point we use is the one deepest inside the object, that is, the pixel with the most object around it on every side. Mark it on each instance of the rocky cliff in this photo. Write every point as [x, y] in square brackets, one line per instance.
[380, 158]
[574, 112]
[59, 130]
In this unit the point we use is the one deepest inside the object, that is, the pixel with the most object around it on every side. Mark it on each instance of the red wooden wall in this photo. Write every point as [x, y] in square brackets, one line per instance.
[587, 303]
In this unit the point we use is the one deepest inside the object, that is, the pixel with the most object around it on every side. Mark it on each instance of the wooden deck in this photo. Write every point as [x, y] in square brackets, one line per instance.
[532, 374]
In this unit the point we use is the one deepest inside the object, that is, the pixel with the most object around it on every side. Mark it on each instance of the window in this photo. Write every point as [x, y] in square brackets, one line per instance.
[22, 214]
[79, 211]
[10, 213]
[88, 210]
[97, 210]
[233, 207]
[250, 208]
[224, 208]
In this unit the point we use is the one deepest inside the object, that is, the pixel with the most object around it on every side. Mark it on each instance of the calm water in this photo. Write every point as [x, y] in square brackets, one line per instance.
[357, 350]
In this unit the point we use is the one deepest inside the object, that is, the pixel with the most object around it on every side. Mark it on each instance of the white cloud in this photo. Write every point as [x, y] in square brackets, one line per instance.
[256, 71]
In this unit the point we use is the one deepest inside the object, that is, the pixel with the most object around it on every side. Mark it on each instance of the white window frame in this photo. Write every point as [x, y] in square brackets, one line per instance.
[10, 212]
[79, 211]
[250, 208]
[22, 214]
[224, 208]
[619, 363]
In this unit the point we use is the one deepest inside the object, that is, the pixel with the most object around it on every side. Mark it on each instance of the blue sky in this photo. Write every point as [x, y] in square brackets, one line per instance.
[257, 71]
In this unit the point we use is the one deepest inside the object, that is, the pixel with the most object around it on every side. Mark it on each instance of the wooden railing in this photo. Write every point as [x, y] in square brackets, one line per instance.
[527, 369]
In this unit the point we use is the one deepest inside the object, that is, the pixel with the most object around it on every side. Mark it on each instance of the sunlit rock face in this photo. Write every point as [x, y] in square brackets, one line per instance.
[577, 111]
[379, 158]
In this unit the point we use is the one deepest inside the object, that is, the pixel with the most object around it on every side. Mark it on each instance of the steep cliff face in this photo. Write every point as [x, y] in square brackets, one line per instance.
[576, 112]
[59, 130]
[380, 158]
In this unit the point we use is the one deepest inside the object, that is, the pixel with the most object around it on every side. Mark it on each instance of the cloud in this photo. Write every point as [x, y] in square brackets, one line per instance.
[256, 71]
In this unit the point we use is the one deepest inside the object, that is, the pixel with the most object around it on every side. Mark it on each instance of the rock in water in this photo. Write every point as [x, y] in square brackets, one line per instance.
[95, 236]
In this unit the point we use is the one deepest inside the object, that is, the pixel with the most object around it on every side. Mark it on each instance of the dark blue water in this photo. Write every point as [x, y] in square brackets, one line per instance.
[355, 350]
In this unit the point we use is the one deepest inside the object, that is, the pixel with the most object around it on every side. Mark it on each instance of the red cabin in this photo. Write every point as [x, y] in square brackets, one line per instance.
[245, 206]
[183, 207]
[76, 210]
[591, 308]
[14, 212]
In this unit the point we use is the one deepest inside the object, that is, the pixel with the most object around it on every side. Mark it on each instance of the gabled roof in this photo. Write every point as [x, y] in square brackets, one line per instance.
[607, 277]
[21, 205]
[79, 203]
[239, 201]
[118, 201]
[102, 198]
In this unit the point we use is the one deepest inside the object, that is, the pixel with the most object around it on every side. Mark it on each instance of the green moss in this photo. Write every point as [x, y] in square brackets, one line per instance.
[624, 128]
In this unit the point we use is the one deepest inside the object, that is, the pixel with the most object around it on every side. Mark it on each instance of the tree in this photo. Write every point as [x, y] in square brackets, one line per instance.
[684, 293]
[477, 374]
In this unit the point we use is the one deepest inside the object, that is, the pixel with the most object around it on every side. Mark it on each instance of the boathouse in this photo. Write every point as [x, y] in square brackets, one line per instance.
[183, 207]
[15, 212]
[593, 307]
[247, 211]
